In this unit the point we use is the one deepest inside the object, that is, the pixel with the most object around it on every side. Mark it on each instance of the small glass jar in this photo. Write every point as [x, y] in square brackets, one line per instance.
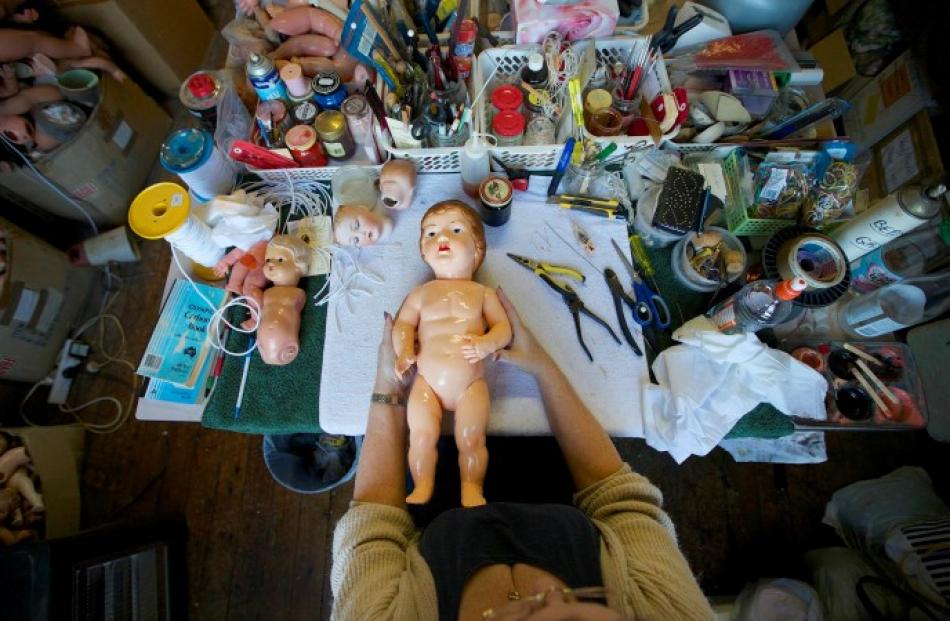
[540, 130]
[533, 107]
[606, 122]
[328, 91]
[305, 113]
[335, 135]
[595, 101]
[508, 128]
[627, 108]
[304, 148]
[359, 118]
[272, 122]
[507, 97]
[581, 178]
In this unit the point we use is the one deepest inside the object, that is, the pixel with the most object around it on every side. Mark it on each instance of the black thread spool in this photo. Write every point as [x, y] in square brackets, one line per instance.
[854, 403]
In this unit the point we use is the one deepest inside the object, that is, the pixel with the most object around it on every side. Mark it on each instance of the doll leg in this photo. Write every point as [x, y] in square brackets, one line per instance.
[424, 415]
[471, 421]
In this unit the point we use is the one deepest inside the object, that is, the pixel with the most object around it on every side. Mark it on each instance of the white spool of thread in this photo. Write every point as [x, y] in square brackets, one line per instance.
[192, 155]
[815, 258]
[163, 211]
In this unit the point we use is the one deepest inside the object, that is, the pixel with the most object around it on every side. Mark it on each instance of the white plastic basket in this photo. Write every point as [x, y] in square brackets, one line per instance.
[509, 61]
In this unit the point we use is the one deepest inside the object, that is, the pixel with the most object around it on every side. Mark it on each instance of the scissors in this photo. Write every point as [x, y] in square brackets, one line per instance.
[433, 114]
[651, 308]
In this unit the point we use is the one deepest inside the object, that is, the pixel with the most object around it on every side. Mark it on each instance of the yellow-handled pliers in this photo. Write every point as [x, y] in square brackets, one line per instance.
[540, 267]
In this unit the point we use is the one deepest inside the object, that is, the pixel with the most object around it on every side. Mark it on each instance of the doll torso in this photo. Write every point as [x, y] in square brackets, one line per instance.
[279, 329]
[451, 310]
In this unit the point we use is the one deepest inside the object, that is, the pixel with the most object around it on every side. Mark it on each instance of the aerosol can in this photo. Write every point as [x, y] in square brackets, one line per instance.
[889, 218]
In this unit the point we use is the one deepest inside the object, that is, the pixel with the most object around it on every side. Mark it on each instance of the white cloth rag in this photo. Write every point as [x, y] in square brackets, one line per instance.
[712, 379]
[239, 220]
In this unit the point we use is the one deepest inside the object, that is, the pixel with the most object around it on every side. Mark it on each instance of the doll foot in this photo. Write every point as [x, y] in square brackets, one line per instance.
[472, 495]
[420, 495]
[78, 36]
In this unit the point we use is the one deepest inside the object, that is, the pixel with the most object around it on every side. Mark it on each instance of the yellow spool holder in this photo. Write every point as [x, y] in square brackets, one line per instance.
[159, 210]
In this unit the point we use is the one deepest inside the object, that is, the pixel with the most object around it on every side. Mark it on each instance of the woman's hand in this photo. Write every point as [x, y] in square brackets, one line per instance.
[387, 381]
[524, 352]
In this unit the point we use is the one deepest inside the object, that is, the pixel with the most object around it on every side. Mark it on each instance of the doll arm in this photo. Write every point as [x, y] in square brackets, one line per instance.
[499, 330]
[404, 332]
[221, 267]
[23, 102]
[9, 85]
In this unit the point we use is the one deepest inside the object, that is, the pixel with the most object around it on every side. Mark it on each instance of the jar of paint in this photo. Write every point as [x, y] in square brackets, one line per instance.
[329, 91]
[495, 194]
[508, 128]
[335, 135]
[304, 148]
[507, 97]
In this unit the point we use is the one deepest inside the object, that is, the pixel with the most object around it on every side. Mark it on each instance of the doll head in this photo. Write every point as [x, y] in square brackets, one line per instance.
[287, 259]
[397, 181]
[355, 225]
[452, 240]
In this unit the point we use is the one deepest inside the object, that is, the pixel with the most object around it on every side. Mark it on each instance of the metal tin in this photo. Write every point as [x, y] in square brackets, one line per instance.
[334, 134]
[273, 122]
[200, 93]
[305, 113]
[329, 92]
[264, 77]
[495, 194]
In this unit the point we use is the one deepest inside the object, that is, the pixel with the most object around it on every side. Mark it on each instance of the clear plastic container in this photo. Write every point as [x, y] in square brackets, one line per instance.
[688, 277]
[896, 306]
[474, 162]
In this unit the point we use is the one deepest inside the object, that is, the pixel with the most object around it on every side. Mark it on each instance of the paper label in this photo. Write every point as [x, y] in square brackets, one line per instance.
[899, 161]
[775, 185]
[54, 301]
[335, 149]
[870, 272]
[316, 232]
[26, 306]
[725, 316]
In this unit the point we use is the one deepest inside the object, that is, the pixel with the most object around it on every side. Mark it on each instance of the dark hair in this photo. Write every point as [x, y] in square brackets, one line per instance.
[472, 218]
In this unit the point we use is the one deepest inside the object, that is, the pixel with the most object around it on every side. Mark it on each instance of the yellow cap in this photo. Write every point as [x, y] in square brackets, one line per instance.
[598, 99]
[159, 210]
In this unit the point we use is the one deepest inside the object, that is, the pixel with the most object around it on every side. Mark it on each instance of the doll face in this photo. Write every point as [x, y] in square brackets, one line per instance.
[18, 130]
[355, 225]
[279, 267]
[448, 245]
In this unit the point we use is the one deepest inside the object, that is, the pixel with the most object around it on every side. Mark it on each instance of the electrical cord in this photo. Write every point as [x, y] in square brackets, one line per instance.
[49, 182]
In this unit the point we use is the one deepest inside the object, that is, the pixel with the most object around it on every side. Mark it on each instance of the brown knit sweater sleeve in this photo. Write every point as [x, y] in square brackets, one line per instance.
[377, 571]
[642, 563]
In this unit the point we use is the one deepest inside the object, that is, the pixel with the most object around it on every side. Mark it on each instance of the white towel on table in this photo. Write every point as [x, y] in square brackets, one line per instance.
[610, 386]
[712, 379]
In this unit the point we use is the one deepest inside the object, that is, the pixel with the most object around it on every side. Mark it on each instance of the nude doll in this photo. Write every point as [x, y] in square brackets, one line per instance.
[278, 335]
[247, 274]
[458, 322]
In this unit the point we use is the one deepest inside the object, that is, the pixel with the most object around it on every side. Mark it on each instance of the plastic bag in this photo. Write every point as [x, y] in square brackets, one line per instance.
[835, 574]
[781, 599]
[780, 190]
[763, 50]
[832, 195]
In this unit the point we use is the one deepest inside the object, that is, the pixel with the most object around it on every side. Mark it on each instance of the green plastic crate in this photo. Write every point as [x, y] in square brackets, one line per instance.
[737, 206]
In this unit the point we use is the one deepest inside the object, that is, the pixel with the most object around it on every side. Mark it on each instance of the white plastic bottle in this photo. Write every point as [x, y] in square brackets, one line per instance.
[475, 163]
[896, 306]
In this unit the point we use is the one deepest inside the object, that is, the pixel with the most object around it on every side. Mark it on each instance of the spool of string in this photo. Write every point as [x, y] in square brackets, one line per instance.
[193, 239]
[816, 258]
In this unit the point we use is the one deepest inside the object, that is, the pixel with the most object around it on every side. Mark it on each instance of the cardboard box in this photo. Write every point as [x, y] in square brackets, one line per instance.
[907, 155]
[40, 300]
[57, 454]
[883, 103]
[105, 165]
[835, 58]
[164, 42]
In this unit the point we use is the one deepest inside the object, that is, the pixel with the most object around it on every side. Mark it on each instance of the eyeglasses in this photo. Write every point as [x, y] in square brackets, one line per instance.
[521, 607]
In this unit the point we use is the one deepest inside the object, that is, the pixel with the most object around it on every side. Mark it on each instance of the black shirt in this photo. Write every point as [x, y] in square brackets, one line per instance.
[556, 538]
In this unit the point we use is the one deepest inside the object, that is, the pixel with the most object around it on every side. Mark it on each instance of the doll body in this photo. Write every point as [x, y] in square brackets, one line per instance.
[247, 274]
[278, 334]
[458, 322]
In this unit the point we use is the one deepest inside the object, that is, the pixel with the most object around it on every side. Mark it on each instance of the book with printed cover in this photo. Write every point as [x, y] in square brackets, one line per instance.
[179, 348]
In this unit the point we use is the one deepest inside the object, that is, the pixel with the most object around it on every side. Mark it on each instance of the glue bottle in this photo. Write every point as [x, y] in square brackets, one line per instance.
[475, 162]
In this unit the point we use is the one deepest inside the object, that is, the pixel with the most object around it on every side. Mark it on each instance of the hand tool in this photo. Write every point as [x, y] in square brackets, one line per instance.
[607, 208]
[541, 267]
[568, 295]
[651, 309]
[562, 163]
[666, 39]
[620, 297]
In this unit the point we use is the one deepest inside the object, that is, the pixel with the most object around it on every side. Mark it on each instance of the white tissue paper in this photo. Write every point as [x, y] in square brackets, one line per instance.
[240, 220]
[709, 381]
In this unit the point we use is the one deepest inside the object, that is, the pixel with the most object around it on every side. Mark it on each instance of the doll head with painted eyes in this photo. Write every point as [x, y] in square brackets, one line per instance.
[356, 225]
[452, 240]
[286, 261]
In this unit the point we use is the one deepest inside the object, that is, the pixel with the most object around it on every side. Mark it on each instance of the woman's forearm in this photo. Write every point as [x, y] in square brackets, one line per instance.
[590, 454]
[381, 474]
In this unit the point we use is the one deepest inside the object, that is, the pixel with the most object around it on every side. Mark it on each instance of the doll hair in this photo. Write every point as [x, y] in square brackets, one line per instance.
[298, 249]
[472, 219]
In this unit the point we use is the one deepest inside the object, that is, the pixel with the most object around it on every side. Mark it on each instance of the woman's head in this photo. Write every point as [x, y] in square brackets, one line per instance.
[555, 603]
[452, 239]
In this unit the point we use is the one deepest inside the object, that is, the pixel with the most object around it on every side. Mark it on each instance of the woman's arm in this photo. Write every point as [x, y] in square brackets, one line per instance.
[588, 450]
[381, 473]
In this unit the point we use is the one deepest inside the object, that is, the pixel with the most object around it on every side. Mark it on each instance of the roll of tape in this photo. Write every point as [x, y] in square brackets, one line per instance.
[816, 258]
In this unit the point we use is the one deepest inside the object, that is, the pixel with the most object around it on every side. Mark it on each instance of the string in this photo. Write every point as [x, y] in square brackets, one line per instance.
[193, 239]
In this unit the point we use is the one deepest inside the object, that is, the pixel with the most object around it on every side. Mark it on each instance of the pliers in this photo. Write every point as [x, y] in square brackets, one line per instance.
[571, 299]
[666, 39]
[621, 297]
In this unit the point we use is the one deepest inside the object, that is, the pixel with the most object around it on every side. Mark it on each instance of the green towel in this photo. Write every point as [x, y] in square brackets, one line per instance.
[763, 421]
[277, 399]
